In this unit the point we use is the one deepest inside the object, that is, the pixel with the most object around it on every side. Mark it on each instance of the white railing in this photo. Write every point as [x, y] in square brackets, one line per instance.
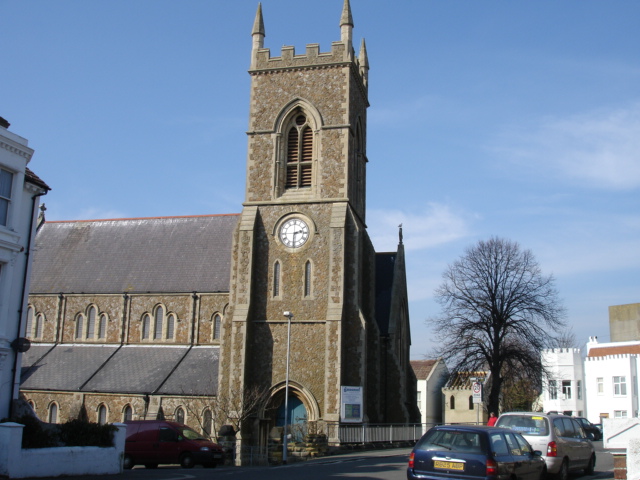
[377, 433]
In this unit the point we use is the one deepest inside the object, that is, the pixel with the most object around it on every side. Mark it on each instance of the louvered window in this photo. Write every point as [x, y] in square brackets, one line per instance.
[299, 154]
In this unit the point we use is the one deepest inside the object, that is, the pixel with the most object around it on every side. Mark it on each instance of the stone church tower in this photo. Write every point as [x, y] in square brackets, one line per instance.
[301, 244]
[197, 303]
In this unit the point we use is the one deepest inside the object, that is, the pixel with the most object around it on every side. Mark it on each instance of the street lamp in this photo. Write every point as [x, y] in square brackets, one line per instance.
[289, 316]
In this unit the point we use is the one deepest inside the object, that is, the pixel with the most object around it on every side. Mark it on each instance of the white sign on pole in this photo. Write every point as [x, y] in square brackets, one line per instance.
[477, 392]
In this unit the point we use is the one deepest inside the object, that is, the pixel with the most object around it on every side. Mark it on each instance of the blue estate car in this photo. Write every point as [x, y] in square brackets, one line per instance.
[474, 452]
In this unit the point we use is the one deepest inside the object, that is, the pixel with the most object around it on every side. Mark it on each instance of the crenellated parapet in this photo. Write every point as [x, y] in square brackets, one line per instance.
[342, 53]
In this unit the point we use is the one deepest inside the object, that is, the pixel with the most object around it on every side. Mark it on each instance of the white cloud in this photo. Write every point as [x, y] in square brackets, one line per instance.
[599, 148]
[436, 225]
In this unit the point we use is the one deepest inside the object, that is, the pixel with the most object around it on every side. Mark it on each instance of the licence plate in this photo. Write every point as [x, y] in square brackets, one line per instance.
[448, 465]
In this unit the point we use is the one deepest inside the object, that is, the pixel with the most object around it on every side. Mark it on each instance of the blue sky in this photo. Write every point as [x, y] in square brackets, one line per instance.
[487, 118]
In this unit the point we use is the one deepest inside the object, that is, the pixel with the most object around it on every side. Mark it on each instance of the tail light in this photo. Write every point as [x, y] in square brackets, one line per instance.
[492, 467]
[552, 449]
[411, 459]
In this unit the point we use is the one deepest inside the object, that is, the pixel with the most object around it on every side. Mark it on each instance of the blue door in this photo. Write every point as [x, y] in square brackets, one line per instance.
[296, 418]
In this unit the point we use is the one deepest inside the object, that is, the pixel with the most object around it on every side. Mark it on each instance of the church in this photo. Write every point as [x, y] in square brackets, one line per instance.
[211, 320]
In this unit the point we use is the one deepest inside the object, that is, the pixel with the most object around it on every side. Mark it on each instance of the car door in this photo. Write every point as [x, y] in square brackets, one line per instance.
[583, 446]
[501, 455]
[521, 459]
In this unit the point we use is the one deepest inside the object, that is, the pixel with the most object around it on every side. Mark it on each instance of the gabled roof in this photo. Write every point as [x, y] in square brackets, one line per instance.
[422, 368]
[157, 255]
[137, 369]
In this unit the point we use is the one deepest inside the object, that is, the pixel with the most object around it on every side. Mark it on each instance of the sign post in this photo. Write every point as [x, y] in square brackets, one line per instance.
[476, 388]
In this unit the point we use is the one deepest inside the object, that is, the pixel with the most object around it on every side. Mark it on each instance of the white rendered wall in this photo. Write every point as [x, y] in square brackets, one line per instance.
[606, 403]
[564, 364]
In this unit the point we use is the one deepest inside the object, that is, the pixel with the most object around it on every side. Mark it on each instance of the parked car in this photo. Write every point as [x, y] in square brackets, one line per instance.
[561, 439]
[154, 442]
[474, 452]
[589, 428]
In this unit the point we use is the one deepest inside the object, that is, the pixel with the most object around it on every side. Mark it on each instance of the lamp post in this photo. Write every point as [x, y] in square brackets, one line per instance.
[289, 316]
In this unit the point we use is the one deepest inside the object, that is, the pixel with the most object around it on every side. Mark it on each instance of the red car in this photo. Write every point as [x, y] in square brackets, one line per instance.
[154, 442]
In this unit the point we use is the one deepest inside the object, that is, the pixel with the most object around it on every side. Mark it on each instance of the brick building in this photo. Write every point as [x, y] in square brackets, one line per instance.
[169, 316]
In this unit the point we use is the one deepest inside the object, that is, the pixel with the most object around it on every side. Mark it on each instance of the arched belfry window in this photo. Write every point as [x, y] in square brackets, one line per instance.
[299, 169]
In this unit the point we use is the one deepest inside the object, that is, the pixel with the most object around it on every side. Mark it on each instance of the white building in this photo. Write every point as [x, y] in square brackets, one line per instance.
[20, 190]
[611, 373]
[563, 390]
[431, 376]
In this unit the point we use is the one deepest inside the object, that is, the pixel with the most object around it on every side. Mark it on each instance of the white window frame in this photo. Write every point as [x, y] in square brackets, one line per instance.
[620, 386]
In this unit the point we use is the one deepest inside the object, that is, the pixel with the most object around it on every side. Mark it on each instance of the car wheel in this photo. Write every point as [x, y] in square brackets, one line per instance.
[150, 465]
[186, 461]
[590, 466]
[563, 474]
[127, 462]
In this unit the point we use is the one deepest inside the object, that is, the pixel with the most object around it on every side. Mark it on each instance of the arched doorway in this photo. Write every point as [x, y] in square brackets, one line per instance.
[296, 418]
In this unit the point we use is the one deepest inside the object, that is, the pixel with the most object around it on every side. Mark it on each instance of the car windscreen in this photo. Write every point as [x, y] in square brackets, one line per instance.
[453, 441]
[533, 425]
[190, 434]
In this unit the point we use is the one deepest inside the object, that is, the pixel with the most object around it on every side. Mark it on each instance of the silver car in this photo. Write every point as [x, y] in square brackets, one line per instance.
[561, 439]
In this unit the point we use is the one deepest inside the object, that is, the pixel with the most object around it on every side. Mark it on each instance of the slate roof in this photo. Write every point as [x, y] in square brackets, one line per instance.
[157, 255]
[133, 369]
[64, 367]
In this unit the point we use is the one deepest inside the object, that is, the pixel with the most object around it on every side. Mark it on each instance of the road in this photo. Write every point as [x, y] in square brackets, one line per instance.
[379, 464]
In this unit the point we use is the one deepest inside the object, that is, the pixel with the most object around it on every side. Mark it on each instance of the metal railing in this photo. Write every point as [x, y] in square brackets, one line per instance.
[377, 433]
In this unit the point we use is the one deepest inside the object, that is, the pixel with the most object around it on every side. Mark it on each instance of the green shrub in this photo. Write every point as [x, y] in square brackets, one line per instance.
[78, 433]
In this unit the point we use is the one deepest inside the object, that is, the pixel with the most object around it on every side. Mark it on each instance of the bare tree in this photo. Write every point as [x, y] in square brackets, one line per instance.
[498, 312]
[226, 409]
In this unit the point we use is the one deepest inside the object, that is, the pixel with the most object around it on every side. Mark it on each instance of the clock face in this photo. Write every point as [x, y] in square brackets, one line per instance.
[294, 233]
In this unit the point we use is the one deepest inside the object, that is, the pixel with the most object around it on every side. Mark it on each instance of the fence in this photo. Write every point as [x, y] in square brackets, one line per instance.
[377, 433]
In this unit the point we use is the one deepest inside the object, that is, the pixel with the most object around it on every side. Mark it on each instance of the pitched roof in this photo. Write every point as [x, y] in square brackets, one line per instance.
[157, 255]
[139, 369]
[422, 368]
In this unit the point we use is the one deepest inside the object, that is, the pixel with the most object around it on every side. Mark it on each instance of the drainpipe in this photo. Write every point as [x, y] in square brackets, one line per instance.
[15, 386]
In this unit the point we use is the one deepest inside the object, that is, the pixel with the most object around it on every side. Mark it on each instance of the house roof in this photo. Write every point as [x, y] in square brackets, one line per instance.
[613, 350]
[35, 179]
[134, 369]
[156, 255]
[422, 368]
[462, 380]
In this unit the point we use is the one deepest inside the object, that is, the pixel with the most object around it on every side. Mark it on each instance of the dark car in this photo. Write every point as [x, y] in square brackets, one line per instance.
[589, 428]
[470, 452]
